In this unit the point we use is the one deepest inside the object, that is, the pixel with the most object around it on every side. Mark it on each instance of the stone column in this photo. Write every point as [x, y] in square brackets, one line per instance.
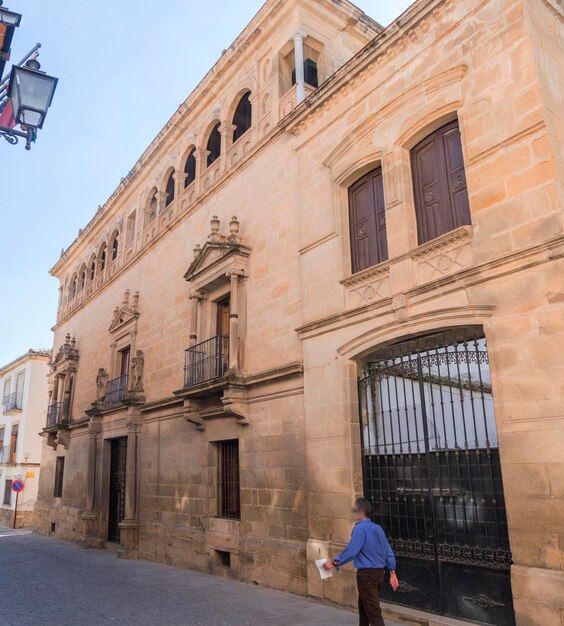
[92, 532]
[180, 182]
[226, 129]
[195, 300]
[130, 525]
[93, 434]
[55, 394]
[201, 156]
[234, 323]
[161, 201]
[299, 63]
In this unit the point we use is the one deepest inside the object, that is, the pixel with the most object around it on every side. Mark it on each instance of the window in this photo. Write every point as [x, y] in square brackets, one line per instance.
[170, 189]
[7, 385]
[102, 259]
[14, 443]
[439, 183]
[151, 209]
[72, 286]
[190, 168]
[82, 278]
[130, 229]
[367, 218]
[2, 431]
[59, 472]
[92, 269]
[8, 492]
[228, 479]
[310, 74]
[115, 247]
[242, 117]
[20, 382]
[214, 144]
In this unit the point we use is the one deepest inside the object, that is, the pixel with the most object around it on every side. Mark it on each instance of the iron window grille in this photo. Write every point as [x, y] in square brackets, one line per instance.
[228, 479]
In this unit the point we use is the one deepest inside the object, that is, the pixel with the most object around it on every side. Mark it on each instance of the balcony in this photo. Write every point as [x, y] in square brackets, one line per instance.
[13, 402]
[206, 361]
[55, 414]
[7, 455]
[115, 392]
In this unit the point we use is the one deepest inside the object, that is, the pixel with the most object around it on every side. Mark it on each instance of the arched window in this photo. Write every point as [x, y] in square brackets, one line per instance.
[439, 183]
[214, 144]
[92, 268]
[170, 189]
[151, 208]
[82, 277]
[190, 168]
[242, 117]
[115, 247]
[367, 215]
[72, 287]
[102, 259]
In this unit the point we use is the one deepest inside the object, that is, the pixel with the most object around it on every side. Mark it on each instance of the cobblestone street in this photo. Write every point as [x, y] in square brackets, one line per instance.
[50, 582]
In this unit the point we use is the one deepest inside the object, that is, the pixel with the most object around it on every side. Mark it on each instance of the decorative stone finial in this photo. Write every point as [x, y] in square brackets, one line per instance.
[73, 343]
[215, 224]
[234, 226]
[197, 250]
[67, 339]
[136, 302]
[126, 298]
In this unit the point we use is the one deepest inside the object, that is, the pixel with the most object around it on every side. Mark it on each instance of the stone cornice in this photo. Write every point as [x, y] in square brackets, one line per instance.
[261, 24]
[398, 36]
[545, 252]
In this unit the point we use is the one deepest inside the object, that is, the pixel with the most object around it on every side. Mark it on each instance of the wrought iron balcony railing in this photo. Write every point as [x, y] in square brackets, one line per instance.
[7, 455]
[13, 402]
[115, 392]
[206, 361]
[55, 414]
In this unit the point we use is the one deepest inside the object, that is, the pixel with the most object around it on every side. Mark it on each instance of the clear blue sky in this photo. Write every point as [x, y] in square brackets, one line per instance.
[124, 68]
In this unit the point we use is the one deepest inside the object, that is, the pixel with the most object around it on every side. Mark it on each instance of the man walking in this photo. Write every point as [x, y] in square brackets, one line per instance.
[371, 554]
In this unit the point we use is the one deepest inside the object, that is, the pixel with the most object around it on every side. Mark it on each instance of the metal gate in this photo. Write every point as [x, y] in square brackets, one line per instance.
[432, 471]
[116, 511]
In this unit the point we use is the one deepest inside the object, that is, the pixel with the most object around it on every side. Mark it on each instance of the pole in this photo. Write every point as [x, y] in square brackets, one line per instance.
[16, 509]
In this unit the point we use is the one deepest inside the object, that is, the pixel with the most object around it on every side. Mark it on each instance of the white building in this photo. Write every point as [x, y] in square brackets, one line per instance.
[23, 385]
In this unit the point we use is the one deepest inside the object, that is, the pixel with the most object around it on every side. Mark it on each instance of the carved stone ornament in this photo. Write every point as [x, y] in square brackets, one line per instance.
[400, 306]
[126, 314]
[137, 368]
[219, 255]
[192, 414]
[101, 384]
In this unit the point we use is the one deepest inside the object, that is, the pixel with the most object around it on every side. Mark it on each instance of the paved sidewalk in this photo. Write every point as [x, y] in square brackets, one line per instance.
[47, 582]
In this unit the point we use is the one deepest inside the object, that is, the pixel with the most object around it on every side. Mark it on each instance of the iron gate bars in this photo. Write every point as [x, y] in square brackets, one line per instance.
[430, 450]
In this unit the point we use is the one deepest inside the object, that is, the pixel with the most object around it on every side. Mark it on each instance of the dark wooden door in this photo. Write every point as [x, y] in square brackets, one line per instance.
[117, 487]
[223, 313]
[124, 361]
[439, 183]
[367, 216]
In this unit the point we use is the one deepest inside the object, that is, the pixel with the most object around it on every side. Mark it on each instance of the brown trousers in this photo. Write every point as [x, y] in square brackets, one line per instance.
[369, 582]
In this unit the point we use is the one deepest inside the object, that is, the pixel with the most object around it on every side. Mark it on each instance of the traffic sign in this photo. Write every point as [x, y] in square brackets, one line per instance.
[18, 485]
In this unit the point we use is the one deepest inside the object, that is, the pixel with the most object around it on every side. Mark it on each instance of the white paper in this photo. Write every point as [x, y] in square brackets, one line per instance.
[323, 572]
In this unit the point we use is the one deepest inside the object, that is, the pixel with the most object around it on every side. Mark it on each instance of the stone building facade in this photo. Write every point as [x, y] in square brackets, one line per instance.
[336, 270]
[23, 385]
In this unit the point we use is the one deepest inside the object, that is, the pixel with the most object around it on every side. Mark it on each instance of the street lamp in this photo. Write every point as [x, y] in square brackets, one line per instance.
[9, 21]
[31, 91]
[26, 94]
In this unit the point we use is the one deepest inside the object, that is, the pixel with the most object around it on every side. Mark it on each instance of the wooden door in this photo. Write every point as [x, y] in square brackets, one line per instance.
[124, 355]
[117, 487]
[367, 216]
[14, 443]
[439, 183]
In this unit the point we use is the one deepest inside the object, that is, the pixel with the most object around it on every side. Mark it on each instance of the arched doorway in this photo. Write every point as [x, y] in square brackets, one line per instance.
[432, 470]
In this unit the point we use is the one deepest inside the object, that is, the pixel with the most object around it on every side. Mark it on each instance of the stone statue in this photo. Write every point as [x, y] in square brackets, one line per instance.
[101, 384]
[137, 367]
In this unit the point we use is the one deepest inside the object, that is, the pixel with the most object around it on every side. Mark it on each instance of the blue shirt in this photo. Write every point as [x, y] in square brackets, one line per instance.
[368, 548]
